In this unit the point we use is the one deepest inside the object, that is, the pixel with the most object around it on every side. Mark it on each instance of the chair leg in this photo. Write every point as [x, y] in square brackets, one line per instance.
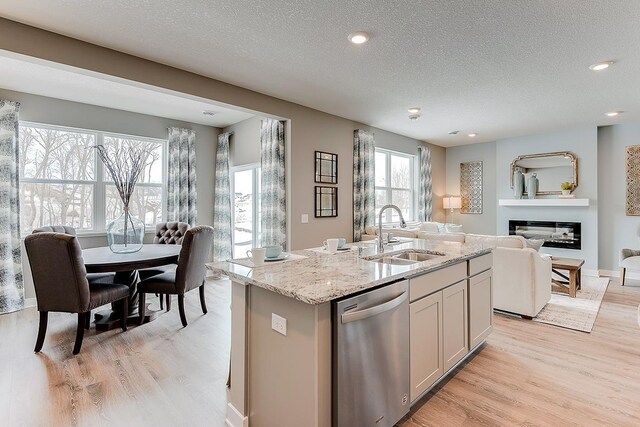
[141, 307]
[183, 316]
[161, 302]
[622, 274]
[80, 332]
[42, 330]
[168, 302]
[202, 301]
[87, 321]
[125, 314]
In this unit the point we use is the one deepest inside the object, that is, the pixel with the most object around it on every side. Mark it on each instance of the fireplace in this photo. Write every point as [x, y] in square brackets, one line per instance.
[566, 235]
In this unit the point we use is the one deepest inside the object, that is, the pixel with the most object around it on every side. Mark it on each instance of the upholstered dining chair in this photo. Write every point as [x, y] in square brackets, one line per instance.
[629, 260]
[65, 229]
[167, 233]
[188, 275]
[61, 284]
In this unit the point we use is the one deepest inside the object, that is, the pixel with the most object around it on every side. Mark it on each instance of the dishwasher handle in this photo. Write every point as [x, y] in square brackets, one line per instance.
[375, 310]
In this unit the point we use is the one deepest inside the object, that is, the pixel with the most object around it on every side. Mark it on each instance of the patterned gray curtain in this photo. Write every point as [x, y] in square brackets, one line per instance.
[363, 182]
[222, 202]
[11, 285]
[181, 189]
[273, 194]
[425, 194]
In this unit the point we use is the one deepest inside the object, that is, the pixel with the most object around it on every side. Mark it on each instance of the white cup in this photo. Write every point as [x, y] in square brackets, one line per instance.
[331, 245]
[257, 255]
[385, 237]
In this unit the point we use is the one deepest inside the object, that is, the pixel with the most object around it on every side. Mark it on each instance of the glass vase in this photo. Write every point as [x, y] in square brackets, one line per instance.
[125, 234]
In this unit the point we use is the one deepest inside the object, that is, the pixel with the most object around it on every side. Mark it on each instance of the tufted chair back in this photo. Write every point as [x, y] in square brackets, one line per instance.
[170, 233]
[193, 256]
[65, 229]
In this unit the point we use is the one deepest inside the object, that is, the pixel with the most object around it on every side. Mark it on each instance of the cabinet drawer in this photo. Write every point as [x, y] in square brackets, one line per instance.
[436, 280]
[480, 264]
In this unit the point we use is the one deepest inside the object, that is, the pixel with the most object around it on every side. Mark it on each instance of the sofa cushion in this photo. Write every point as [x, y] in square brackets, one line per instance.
[515, 242]
[402, 232]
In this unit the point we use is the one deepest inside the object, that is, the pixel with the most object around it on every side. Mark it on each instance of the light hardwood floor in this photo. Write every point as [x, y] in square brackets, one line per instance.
[164, 375]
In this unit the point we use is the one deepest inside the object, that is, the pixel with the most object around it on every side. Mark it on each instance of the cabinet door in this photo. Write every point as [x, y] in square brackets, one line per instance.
[425, 326]
[455, 324]
[480, 308]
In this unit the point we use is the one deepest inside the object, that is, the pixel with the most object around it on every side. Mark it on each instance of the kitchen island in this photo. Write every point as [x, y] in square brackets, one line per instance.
[283, 329]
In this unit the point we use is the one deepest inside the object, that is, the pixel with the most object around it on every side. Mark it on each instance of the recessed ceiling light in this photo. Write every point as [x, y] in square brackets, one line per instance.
[358, 37]
[599, 66]
[454, 132]
[472, 135]
[209, 113]
[613, 113]
[414, 110]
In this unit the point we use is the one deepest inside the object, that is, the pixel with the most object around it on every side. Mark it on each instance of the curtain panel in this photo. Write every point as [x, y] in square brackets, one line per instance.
[222, 202]
[363, 182]
[425, 192]
[273, 195]
[11, 284]
[181, 187]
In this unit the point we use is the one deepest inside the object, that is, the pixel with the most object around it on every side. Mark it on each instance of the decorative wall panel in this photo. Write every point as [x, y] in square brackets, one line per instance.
[471, 187]
[633, 179]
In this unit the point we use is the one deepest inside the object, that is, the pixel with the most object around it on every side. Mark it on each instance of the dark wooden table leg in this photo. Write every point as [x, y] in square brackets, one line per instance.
[111, 319]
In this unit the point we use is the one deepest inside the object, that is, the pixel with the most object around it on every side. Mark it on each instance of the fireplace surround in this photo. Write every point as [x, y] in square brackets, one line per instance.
[556, 234]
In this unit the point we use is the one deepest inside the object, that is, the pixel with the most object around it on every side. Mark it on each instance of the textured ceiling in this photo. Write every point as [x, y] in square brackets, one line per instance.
[42, 78]
[498, 68]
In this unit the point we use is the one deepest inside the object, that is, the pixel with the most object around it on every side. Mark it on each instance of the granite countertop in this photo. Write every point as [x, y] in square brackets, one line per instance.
[320, 277]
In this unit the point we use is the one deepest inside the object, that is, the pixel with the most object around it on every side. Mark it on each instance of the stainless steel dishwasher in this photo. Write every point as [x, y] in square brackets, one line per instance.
[371, 357]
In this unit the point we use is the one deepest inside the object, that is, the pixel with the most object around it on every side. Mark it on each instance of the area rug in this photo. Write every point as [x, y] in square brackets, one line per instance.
[577, 313]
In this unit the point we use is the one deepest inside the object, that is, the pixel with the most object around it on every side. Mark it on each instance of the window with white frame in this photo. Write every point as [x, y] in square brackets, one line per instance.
[63, 181]
[395, 184]
[245, 182]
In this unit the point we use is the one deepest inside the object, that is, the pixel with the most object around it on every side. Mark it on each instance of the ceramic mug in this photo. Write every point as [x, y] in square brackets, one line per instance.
[331, 245]
[389, 237]
[273, 251]
[257, 255]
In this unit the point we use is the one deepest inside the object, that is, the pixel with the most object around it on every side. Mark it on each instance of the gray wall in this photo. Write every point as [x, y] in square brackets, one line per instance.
[53, 111]
[244, 145]
[484, 223]
[616, 230]
[583, 143]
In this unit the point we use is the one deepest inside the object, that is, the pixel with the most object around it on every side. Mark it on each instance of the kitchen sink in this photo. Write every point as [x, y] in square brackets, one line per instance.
[392, 260]
[416, 256]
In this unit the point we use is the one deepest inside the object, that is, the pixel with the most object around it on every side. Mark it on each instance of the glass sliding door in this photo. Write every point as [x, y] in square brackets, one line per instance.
[245, 182]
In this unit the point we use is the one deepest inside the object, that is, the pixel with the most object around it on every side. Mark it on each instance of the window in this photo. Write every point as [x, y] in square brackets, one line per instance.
[394, 180]
[62, 180]
[245, 181]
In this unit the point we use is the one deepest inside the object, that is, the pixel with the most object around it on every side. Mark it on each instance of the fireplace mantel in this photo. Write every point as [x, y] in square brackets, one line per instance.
[544, 202]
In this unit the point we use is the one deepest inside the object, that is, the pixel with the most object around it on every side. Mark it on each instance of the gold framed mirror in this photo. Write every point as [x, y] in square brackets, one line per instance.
[552, 169]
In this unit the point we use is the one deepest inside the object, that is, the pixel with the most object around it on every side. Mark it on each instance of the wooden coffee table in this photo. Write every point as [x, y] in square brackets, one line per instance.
[566, 285]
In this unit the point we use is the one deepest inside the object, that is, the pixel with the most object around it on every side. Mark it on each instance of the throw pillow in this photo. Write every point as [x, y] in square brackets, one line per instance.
[454, 228]
[535, 244]
[441, 227]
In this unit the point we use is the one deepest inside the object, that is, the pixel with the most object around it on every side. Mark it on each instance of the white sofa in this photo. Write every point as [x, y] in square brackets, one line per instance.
[521, 275]
[413, 229]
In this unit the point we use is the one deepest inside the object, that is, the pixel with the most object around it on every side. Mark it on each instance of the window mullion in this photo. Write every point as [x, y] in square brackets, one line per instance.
[99, 202]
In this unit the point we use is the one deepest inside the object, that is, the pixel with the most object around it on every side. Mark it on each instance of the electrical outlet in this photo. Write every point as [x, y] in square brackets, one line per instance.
[305, 218]
[279, 324]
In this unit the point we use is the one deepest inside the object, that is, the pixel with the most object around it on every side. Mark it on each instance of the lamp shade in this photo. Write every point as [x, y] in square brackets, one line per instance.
[451, 202]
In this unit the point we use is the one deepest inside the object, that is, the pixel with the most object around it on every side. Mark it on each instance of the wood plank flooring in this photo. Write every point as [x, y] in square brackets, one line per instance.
[164, 375]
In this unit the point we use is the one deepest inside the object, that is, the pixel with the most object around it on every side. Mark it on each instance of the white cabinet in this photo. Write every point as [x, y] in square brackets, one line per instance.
[448, 319]
[455, 337]
[426, 357]
[480, 308]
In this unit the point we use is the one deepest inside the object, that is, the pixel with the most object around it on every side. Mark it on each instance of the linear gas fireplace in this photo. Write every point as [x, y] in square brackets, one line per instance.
[565, 235]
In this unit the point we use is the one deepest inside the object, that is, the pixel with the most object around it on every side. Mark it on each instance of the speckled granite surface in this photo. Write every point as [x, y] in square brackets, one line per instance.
[320, 277]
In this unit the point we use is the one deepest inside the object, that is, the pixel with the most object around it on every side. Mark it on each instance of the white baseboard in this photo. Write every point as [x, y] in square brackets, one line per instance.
[592, 273]
[616, 273]
[29, 302]
[235, 418]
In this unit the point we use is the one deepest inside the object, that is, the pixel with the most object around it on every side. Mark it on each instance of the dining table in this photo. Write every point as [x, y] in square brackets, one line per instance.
[126, 267]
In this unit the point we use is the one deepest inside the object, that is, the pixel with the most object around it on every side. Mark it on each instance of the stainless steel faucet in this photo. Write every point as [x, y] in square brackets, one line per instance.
[402, 224]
